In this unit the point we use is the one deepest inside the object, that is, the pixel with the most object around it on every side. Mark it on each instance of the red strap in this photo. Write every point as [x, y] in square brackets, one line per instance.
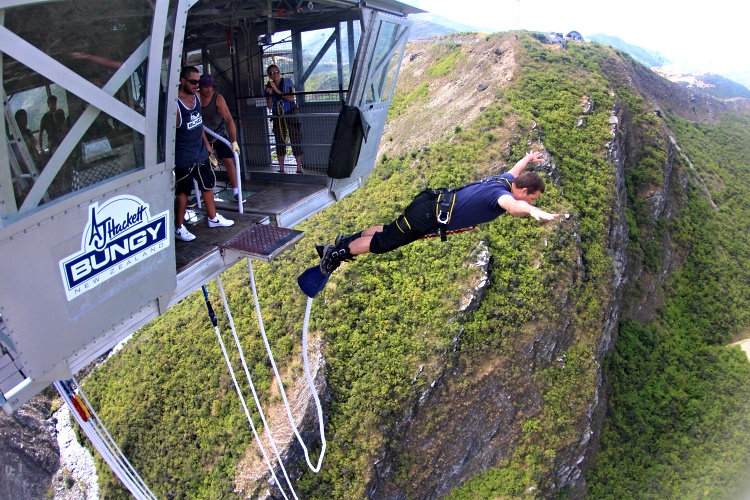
[453, 231]
[78, 408]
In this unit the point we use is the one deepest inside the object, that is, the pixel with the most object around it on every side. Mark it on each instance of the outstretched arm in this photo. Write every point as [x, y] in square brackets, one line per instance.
[535, 156]
[104, 61]
[519, 208]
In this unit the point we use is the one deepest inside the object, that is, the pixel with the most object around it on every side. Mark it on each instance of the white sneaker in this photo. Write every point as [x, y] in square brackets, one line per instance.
[181, 233]
[220, 221]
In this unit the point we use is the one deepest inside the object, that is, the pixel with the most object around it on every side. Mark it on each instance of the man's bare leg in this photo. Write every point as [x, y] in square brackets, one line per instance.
[182, 201]
[208, 202]
[231, 171]
[362, 244]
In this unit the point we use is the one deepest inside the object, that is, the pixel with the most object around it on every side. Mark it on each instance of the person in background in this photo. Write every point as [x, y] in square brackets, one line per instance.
[217, 118]
[52, 125]
[191, 156]
[22, 120]
[483, 201]
[280, 100]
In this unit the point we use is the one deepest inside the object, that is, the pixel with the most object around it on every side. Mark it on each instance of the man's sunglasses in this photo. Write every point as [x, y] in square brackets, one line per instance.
[276, 72]
[193, 82]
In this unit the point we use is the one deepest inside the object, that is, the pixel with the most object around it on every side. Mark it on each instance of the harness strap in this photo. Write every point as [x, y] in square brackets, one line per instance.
[446, 200]
[444, 208]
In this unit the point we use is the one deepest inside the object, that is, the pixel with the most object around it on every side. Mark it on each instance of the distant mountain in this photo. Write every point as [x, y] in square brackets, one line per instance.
[430, 26]
[645, 56]
[742, 77]
[710, 83]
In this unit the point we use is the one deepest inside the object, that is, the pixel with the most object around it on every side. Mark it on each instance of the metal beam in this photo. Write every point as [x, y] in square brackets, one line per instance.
[80, 127]
[159, 30]
[173, 78]
[7, 196]
[21, 50]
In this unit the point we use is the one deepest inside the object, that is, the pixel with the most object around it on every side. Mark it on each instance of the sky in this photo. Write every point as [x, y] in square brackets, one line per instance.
[706, 37]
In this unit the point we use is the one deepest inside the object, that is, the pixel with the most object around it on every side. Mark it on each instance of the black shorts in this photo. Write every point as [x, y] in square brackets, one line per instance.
[221, 150]
[417, 220]
[201, 172]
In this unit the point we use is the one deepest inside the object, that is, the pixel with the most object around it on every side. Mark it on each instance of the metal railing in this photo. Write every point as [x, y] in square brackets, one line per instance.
[317, 116]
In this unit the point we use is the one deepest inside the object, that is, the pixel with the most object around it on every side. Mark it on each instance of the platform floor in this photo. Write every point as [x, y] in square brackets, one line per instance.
[271, 198]
[210, 239]
[268, 200]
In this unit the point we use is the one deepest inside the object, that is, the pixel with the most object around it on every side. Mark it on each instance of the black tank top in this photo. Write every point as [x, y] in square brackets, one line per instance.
[211, 117]
[189, 146]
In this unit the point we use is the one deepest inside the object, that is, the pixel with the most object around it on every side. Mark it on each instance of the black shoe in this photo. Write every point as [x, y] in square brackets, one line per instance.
[320, 249]
[328, 262]
[344, 240]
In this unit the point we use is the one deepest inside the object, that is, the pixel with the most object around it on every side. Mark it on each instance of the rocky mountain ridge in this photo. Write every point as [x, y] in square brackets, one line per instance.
[484, 386]
[728, 86]
[29, 453]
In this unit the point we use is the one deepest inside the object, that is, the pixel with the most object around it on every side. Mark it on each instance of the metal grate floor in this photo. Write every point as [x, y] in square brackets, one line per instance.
[263, 241]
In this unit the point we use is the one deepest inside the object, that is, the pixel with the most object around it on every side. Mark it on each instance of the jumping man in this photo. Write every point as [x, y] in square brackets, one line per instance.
[447, 209]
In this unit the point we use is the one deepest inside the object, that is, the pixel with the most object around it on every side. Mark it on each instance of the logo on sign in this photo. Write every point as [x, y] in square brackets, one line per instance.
[120, 234]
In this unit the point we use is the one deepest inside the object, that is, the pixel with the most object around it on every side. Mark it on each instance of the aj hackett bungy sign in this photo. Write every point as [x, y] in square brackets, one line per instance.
[120, 234]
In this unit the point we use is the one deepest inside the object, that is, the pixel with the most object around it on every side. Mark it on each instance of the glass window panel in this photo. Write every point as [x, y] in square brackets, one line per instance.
[92, 38]
[320, 47]
[383, 68]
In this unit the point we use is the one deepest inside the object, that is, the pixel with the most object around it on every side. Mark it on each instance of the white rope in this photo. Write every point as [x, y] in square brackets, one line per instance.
[308, 376]
[107, 448]
[236, 167]
[252, 386]
[244, 406]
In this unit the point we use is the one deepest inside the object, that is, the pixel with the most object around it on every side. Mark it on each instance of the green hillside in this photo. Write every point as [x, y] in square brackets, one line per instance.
[677, 417]
[677, 421]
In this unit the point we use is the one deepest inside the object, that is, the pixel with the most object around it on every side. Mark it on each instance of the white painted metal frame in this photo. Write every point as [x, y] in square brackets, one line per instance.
[99, 99]
[6, 181]
[102, 100]
[375, 71]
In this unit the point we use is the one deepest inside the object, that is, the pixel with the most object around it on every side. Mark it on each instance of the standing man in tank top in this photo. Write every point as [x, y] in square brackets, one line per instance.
[191, 154]
[216, 117]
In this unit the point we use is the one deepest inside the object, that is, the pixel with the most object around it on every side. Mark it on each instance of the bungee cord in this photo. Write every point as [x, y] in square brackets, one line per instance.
[308, 376]
[215, 324]
[252, 386]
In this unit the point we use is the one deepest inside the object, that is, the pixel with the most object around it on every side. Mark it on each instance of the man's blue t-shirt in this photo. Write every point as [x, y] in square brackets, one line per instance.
[477, 203]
